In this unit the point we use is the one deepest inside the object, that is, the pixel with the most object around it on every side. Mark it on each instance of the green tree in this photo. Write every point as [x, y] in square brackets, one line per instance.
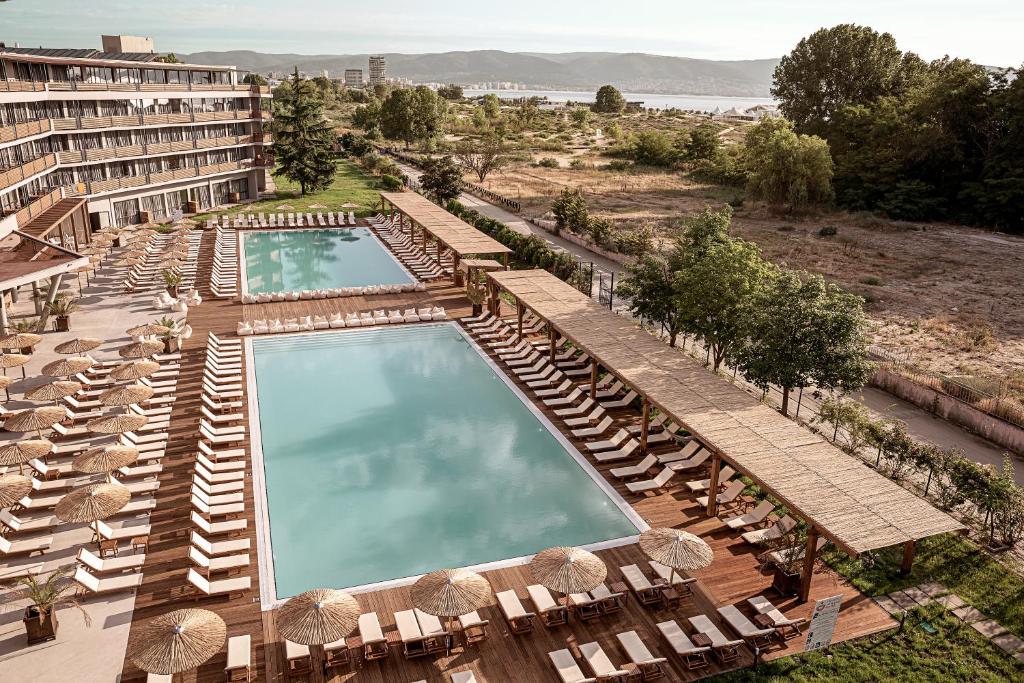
[366, 116]
[303, 138]
[999, 190]
[450, 92]
[653, 148]
[701, 143]
[411, 114]
[441, 179]
[609, 100]
[527, 112]
[169, 58]
[580, 116]
[834, 67]
[491, 105]
[650, 286]
[253, 78]
[786, 168]
[570, 211]
[481, 157]
[803, 332]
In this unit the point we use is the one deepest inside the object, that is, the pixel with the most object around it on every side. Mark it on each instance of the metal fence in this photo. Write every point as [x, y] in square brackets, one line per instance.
[995, 401]
[606, 289]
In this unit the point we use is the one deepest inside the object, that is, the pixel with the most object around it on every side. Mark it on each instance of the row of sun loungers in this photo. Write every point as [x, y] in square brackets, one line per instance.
[284, 220]
[310, 294]
[148, 275]
[422, 263]
[338, 321]
[219, 478]
[224, 278]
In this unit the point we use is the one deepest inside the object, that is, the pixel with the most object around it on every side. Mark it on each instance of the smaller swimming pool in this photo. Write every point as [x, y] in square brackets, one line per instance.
[295, 260]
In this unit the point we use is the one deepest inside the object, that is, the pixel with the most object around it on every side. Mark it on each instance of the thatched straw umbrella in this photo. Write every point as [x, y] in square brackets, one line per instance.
[13, 487]
[67, 367]
[318, 616]
[54, 391]
[35, 419]
[20, 340]
[117, 424]
[171, 263]
[76, 347]
[676, 549]
[143, 349]
[105, 459]
[451, 593]
[134, 370]
[177, 641]
[147, 330]
[568, 570]
[6, 382]
[126, 394]
[128, 261]
[20, 452]
[89, 504]
[14, 360]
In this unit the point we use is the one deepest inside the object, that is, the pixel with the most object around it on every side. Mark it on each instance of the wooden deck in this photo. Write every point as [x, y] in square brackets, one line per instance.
[731, 578]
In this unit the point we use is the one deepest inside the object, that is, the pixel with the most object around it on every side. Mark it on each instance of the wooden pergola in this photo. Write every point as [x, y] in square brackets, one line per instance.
[448, 231]
[839, 498]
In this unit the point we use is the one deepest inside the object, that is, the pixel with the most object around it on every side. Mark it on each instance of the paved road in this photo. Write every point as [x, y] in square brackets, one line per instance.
[920, 423]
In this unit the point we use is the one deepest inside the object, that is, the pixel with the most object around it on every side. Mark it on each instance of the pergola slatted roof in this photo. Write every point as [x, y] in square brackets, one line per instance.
[454, 233]
[850, 504]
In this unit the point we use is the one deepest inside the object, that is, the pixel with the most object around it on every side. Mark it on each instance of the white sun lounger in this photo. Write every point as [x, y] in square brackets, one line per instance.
[771, 533]
[638, 470]
[640, 655]
[779, 620]
[744, 627]
[755, 516]
[567, 668]
[95, 584]
[695, 657]
[599, 663]
[658, 482]
[731, 493]
[220, 587]
[724, 475]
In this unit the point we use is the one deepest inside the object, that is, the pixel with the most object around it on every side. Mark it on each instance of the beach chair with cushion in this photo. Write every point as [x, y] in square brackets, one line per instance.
[772, 533]
[93, 584]
[220, 587]
[620, 402]
[98, 565]
[644, 591]
[687, 452]
[600, 665]
[609, 602]
[784, 626]
[724, 475]
[751, 633]
[108, 533]
[682, 584]
[638, 470]
[589, 432]
[463, 677]
[724, 649]
[551, 613]
[584, 606]
[375, 645]
[650, 667]
[414, 643]
[568, 670]
[575, 422]
[694, 657]
[794, 553]
[337, 653]
[298, 659]
[657, 483]
[217, 564]
[755, 516]
[518, 619]
[239, 666]
[620, 437]
[474, 629]
[626, 451]
[729, 495]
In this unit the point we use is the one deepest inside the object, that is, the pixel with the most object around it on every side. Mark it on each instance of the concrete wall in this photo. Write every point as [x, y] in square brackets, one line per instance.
[581, 241]
[998, 431]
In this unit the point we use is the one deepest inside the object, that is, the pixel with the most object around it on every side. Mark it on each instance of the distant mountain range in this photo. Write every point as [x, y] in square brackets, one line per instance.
[633, 72]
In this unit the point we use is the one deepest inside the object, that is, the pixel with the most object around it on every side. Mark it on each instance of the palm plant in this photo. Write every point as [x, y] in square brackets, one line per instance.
[63, 306]
[46, 596]
[171, 279]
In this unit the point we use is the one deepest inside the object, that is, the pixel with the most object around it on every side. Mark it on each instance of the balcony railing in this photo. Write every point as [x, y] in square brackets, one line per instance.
[21, 86]
[39, 204]
[27, 170]
[96, 122]
[78, 156]
[27, 129]
[80, 86]
[128, 182]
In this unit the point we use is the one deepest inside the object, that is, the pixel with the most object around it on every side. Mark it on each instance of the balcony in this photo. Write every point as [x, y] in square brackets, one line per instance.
[77, 156]
[78, 86]
[24, 130]
[37, 205]
[21, 86]
[11, 176]
[128, 182]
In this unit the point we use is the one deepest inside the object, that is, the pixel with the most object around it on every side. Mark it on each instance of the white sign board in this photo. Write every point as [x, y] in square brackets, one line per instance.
[823, 623]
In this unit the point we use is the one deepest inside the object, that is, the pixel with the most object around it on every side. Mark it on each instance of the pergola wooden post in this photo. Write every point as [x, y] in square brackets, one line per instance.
[909, 548]
[456, 271]
[593, 378]
[505, 260]
[645, 425]
[492, 298]
[519, 319]
[809, 552]
[552, 338]
[716, 466]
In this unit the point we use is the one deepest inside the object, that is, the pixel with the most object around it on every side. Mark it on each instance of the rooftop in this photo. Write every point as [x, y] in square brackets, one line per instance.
[453, 232]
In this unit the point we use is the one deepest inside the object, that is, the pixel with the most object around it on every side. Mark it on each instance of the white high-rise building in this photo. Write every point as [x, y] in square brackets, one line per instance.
[353, 78]
[378, 69]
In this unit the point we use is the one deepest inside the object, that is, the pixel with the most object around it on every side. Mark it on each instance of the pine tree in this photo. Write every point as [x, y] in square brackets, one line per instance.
[303, 138]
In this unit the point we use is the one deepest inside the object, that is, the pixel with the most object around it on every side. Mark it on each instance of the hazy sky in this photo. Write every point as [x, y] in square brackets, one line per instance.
[987, 31]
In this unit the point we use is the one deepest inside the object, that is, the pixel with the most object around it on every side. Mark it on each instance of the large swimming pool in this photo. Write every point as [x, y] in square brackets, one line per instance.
[391, 452]
[297, 260]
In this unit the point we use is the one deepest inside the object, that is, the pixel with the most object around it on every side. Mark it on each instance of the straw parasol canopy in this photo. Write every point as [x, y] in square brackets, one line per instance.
[105, 459]
[126, 394]
[318, 616]
[177, 641]
[142, 349]
[117, 424]
[451, 592]
[13, 360]
[67, 367]
[148, 330]
[134, 370]
[676, 549]
[13, 487]
[6, 381]
[172, 263]
[35, 419]
[20, 340]
[77, 346]
[568, 570]
[20, 452]
[128, 261]
[54, 391]
[89, 504]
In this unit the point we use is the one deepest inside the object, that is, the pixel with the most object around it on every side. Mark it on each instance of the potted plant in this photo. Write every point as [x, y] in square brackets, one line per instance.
[172, 339]
[790, 548]
[172, 279]
[61, 309]
[25, 326]
[40, 617]
[476, 297]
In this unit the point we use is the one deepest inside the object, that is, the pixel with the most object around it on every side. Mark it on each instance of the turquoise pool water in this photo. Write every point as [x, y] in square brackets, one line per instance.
[295, 260]
[396, 451]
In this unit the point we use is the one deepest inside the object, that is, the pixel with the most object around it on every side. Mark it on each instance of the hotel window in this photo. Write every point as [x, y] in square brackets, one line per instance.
[176, 200]
[154, 203]
[200, 195]
[126, 212]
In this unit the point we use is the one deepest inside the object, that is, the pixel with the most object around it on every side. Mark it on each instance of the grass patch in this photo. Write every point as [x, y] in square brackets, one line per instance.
[955, 562]
[955, 653]
[351, 185]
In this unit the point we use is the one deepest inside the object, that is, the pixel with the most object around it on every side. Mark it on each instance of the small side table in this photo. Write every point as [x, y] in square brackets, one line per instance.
[764, 621]
[619, 588]
[671, 597]
[139, 543]
[108, 548]
[701, 640]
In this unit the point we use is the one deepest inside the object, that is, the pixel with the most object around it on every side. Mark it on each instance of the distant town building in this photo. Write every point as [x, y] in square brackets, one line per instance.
[378, 70]
[125, 44]
[325, 73]
[353, 78]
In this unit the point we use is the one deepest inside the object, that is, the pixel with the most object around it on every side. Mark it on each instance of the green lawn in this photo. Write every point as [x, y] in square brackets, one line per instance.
[351, 186]
[955, 653]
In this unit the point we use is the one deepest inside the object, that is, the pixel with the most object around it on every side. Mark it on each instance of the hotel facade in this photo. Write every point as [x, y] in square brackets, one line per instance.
[90, 139]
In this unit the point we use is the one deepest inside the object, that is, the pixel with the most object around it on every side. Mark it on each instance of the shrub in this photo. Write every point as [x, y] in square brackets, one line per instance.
[634, 242]
[578, 164]
[548, 162]
[619, 165]
[828, 231]
[390, 183]
[570, 210]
